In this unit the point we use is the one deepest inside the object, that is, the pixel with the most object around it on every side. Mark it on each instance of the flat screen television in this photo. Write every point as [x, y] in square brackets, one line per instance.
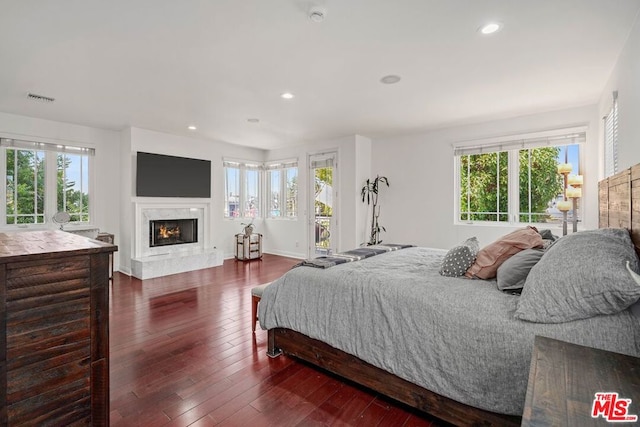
[159, 175]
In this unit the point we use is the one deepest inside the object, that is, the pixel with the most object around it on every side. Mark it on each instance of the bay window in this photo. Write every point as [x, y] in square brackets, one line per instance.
[242, 189]
[282, 189]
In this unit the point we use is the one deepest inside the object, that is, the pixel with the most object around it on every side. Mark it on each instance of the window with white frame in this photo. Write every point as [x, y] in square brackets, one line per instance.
[514, 181]
[35, 190]
[282, 189]
[242, 189]
[611, 139]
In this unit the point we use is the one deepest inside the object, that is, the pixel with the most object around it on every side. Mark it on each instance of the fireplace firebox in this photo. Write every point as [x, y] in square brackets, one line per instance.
[164, 232]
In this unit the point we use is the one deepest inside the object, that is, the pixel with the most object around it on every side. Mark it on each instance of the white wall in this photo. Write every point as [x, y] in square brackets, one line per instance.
[290, 237]
[419, 206]
[125, 213]
[625, 78]
[105, 198]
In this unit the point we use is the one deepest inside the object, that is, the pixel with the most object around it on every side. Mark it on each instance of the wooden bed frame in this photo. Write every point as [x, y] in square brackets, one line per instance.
[619, 198]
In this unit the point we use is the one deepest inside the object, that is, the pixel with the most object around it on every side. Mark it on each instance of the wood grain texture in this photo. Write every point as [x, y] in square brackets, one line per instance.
[182, 353]
[350, 367]
[3, 346]
[564, 379]
[53, 364]
[619, 202]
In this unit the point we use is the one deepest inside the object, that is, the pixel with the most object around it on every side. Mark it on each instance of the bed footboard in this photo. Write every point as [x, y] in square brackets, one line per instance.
[354, 369]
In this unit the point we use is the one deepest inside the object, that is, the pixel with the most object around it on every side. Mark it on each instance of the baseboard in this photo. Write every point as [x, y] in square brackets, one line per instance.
[287, 254]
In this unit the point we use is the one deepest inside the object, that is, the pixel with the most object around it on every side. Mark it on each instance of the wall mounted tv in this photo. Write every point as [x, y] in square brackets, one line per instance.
[158, 175]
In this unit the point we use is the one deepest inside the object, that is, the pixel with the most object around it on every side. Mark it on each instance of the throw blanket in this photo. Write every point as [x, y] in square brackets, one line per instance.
[350, 256]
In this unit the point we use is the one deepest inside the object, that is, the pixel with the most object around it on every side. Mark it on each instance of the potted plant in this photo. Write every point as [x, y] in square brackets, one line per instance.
[248, 228]
[369, 194]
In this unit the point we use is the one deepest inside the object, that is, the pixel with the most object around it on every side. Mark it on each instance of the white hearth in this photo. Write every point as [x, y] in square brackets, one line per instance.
[149, 262]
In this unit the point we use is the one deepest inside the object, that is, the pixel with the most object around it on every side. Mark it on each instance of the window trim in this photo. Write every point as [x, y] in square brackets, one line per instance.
[282, 166]
[512, 144]
[51, 151]
[243, 166]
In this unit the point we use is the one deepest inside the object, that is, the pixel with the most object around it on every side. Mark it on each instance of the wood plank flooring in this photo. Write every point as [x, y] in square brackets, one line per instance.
[182, 354]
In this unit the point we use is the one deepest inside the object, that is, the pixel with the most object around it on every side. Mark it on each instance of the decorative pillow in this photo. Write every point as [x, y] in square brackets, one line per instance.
[582, 275]
[548, 238]
[514, 271]
[546, 234]
[458, 259]
[492, 256]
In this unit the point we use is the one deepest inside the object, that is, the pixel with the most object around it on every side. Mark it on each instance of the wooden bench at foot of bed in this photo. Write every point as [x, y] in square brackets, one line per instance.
[350, 367]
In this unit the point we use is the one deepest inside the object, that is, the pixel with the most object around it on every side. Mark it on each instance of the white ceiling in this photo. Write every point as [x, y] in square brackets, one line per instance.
[166, 64]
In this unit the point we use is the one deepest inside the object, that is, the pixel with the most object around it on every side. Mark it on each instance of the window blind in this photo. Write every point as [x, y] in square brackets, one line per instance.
[283, 164]
[241, 165]
[520, 144]
[322, 163]
[45, 146]
[611, 139]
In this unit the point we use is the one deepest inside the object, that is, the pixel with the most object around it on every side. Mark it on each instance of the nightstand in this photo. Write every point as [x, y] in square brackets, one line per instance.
[564, 379]
[248, 247]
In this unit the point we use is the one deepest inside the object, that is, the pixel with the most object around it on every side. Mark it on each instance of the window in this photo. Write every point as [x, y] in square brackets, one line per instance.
[73, 185]
[24, 186]
[282, 190]
[611, 139]
[242, 189]
[514, 181]
[28, 196]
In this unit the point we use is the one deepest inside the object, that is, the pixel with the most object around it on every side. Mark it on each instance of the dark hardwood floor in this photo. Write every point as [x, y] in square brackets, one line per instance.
[182, 354]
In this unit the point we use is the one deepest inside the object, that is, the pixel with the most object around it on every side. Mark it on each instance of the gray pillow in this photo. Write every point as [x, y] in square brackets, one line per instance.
[460, 258]
[635, 307]
[582, 275]
[514, 271]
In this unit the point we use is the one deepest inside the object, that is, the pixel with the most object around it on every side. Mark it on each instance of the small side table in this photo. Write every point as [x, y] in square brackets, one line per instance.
[108, 238]
[248, 247]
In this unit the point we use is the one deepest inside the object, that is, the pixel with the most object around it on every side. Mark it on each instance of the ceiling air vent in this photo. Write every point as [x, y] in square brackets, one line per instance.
[41, 98]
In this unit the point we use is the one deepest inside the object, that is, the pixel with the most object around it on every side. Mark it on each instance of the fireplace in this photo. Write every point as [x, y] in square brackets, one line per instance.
[165, 232]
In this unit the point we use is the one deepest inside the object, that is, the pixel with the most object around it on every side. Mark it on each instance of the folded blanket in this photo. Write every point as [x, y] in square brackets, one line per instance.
[350, 256]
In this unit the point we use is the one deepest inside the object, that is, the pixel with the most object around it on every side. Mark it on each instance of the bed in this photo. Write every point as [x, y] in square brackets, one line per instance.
[448, 346]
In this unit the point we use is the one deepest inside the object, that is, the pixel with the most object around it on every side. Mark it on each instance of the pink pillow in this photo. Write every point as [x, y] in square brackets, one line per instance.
[492, 256]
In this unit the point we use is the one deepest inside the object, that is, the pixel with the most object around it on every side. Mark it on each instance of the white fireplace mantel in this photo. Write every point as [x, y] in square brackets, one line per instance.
[158, 261]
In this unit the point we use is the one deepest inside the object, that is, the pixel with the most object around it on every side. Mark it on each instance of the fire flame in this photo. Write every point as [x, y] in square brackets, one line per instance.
[166, 233]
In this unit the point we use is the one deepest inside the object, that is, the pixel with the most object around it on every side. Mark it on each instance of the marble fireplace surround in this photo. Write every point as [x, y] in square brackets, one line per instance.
[149, 262]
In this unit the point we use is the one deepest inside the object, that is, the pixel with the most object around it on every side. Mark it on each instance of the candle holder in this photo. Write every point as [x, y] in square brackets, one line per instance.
[571, 189]
[564, 206]
[574, 192]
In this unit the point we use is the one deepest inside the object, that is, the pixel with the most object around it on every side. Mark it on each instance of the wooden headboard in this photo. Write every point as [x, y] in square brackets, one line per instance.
[619, 200]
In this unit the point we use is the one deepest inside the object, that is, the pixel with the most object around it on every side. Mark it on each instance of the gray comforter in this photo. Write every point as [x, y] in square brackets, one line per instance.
[454, 336]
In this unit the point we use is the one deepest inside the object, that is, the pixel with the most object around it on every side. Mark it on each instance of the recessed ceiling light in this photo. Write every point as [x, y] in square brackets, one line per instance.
[192, 127]
[390, 79]
[253, 120]
[490, 28]
[287, 95]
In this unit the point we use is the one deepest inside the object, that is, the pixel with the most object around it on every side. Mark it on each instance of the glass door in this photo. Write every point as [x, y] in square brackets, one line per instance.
[323, 230]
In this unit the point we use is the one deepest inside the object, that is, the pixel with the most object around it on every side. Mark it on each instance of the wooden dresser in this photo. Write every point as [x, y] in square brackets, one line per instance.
[54, 329]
